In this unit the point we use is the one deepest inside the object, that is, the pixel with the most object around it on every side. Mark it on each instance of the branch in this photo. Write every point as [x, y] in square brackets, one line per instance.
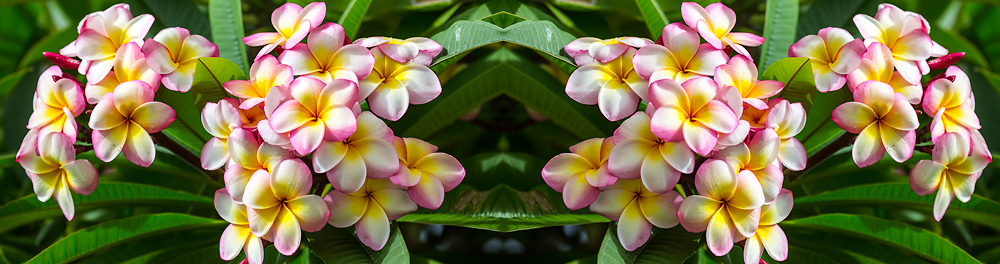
[843, 141]
[191, 159]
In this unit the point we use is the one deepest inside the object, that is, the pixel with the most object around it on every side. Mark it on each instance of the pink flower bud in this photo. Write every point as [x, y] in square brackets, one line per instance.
[945, 61]
[62, 61]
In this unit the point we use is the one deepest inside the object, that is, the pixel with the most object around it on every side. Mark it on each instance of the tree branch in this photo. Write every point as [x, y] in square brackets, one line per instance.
[191, 159]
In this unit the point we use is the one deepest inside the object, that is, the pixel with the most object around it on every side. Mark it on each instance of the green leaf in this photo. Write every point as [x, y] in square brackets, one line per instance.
[503, 73]
[894, 234]
[503, 19]
[353, 15]
[181, 13]
[519, 170]
[979, 210]
[796, 74]
[654, 16]
[28, 209]
[159, 248]
[503, 209]
[823, 14]
[462, 36]
[226, 18]
[955, 42]
[820, 129]
[779, 31]
[340, 245]
[118, 232]
[673, 245]
[50, 43]
[209, 76]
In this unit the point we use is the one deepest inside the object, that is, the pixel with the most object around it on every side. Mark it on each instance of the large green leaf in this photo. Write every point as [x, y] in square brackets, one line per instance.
[823, 14]
[503, 73]
[820, 129]
[353, 15]
[654, 16]
[673, 245]
[180, 13]
[118, 232]
[28, 209]
[465, 35]
[226, 18]
[503, 209]
[781, 17]
[979, 209]
[159, 248]
[340, 245]
[796, 74]
[209, 76]
[894, 234]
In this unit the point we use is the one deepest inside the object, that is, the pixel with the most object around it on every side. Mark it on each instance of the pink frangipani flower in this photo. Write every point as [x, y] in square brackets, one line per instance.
[292, 22]
[174, 53]
[949, 100]
[769, 235]
[715, 24]
[951, 171]
[101, 34]
[678, 57]
[906, 36]
[579, 174]
[758, 157]
[129, 65]
[55, 171]
[279, 205]
[638, 153]
[393, 86]
[369, 209]
[55, 105]
[123, 119]
[589, 50]
[883, 120]
[878, 65]
[219, 119]
[614, 86]
[788, 119]
[237, 236]
[427, 173]
[690, 112]
[368, 153]
[316, 112]
[267, 76]
[326, 56]
[741, 73]
[637, 210]
[418, 50]
[728, 205]
[252, 159]
[833, 54]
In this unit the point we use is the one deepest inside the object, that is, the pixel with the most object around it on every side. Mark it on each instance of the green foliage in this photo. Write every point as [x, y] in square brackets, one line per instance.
[779, 30]
[673, 245]
[209, 77]
[227, 31]
[338, 245]
[353, 15]
[653, 15]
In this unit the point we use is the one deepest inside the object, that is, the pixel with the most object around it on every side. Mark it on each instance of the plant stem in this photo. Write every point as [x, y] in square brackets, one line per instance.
[191, 159]
[843, 141]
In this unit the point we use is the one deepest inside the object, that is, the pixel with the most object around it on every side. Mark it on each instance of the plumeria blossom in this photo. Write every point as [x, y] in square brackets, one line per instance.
[728, 205]
[102, 33]
[678, 57]
[906, 36]
[769, 235]
[690, 112]
[368, 153]
[637, 210]
[369, 209]
[418, 50]
[578, 175]
[638, 153]
[951, 171]
[427, 173]
[758, 158]
[56, 104]
[265, 75]
[219, 119]
[614, 86]
[252, 159]
[878, 65]
[130, 64]
[833, 53]
[787, 120]
[883, 120]
[326, 57]
[55, 171]
[292, 22]
[589, 50]
[279, 205]
[317, 111]
[174, 53]
[715, 24]
[237, 236]
[123, 119]
[393, 86]
[741, 73]
[949, 100]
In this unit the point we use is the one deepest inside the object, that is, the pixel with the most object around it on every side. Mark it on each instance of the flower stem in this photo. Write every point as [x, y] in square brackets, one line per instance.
[191, 159]
[826, 152]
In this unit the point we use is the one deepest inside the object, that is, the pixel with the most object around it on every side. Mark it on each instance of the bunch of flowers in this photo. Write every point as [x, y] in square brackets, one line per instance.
[710, 149]
[294, 126]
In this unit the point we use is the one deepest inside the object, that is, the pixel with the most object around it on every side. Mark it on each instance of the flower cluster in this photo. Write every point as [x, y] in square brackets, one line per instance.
[122, 73]
[298, 124]
[709, 122]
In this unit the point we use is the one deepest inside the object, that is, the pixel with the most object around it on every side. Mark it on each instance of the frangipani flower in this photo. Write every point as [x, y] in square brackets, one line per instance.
[877, 65]
[418, 50]
[579, 174]
[637, 210]
[317, 111]
[370, 208]
[393, 86]
[292, 23]
[949, 100]
[952, 171]
[237, 236]
[788, 120]
[219, 119]
[326, 57]
[715, 23]
[758, 158]
[638, 153]
[174, 53]
[368, 153]
[427, 173]
[689, 111]
[279, 205]
[679, 57]
[741, 73]
[833, 54]
[883, 120]
[905, 34]
[614, 86]
[101, 34]
[129, 65]
[123, 119]
[54, 171]
[588, 50]
[265, 73]
[252, 159]
[727, 205]
[769, 235]
[55, 105]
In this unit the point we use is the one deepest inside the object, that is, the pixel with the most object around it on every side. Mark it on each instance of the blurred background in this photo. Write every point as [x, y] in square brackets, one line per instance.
[502, 140]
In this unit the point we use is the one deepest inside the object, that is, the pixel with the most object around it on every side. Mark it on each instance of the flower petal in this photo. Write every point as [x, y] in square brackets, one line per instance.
[109, 143]
[153, 116]
[793, 154]
[617, 103]
[899, 144]
[291, 179]
[716, 179]
[925, 177]
[657, 175]
[868, 148]
[373, 228]
[390, 100]
[349, 175]
[633, 228]
[444, 167]
[81, 176]
[661, 210]
[287, 234]
[611, 203]
[625, 161]
[139, 147]
[696, 211]
[429, 193]
[720, 233]
[700, 138]
[854, 116]
[345, 209]
[233, 239]
[310, 212]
